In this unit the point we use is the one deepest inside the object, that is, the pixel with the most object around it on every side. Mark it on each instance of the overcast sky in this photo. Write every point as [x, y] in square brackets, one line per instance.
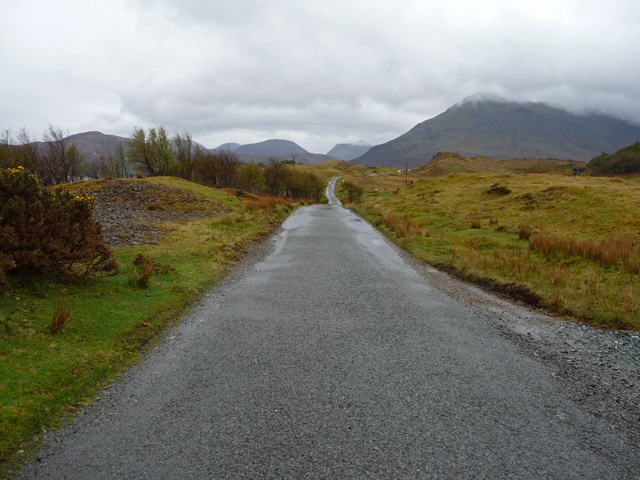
[315, 72]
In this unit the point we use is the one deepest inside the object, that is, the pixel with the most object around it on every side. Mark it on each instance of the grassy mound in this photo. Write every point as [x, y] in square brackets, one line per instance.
[624, 161]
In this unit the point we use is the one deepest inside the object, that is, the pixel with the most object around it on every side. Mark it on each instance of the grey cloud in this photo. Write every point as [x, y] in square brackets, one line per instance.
[323, 73]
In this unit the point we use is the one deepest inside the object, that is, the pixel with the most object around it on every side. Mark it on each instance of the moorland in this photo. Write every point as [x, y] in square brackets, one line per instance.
[529, 229]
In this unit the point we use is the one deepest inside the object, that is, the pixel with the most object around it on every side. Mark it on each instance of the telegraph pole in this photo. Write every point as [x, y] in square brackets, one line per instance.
[406, 173]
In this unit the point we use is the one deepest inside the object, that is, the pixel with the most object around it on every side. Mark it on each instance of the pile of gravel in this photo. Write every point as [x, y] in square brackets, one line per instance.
[133, 212]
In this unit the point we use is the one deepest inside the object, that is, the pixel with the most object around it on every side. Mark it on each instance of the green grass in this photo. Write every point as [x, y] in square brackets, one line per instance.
[434, 218]
[45, 377]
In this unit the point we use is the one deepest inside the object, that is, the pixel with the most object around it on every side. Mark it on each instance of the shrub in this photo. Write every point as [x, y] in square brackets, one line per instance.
[141, 273]
[157, 266]
[354, 192]
[44, 233]
[625, 160]
[525, 232]
[144, 268]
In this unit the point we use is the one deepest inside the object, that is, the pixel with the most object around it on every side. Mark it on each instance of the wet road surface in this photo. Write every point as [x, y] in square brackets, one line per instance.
[331, 357]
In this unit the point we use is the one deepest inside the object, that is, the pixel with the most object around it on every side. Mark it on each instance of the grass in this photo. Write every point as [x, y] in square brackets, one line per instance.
[61, 343]
[571, 243]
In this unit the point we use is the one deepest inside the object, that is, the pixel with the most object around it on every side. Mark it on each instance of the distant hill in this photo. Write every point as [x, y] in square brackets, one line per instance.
[226, 146]
[306, 158]
[348, 151]
[625, 160]
[447, 162]
[270, 147]
[501, 129]
[92, 143]
[274, 148]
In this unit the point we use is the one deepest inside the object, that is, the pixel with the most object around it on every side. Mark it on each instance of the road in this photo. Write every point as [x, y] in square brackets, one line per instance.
[331, 356]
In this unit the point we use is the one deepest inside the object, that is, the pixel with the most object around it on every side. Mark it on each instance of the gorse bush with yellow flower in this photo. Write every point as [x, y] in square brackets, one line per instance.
[45, 233]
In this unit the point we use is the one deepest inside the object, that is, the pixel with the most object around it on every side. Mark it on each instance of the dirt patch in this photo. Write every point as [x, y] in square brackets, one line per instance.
[132, 212]
[521, 293]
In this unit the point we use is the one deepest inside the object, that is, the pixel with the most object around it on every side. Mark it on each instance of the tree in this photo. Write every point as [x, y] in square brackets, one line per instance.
[113, 161]
[93, 166]
[161, 151]
[252, 176]
[275, 177]
[26, 152]
[152, 151]
[229, 164]
[185, 154]
[61, 161]
[139, 151]
[20, 152]
[353, 191]
[6, 158]
[207, 166]
[304, 185]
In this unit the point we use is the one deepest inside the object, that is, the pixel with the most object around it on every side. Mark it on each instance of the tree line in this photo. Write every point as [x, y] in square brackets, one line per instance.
[53, 161]
[153, 152]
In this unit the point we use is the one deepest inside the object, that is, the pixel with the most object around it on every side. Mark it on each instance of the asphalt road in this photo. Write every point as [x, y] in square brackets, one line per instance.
[332, 357]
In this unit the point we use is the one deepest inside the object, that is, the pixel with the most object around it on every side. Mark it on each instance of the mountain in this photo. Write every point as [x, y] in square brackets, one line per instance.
[348, 151]
[92, 143]
[226, 146]
[278, 149]
[270, 147]
[306, 158]
[502, 129]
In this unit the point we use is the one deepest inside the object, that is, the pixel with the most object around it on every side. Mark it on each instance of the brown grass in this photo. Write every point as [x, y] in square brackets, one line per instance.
[60, 317]
[142, 272]
[622, 252]
[584, 255]
[267, 203]
[401, 226]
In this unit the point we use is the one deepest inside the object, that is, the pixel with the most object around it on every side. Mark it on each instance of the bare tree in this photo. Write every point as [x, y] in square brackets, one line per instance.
[26, 152]
[185, 154]
[229, 163]
[207, 166]
[61, 161]
[113, 161]
[6, 147]
[20, 151]
[93, 166]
